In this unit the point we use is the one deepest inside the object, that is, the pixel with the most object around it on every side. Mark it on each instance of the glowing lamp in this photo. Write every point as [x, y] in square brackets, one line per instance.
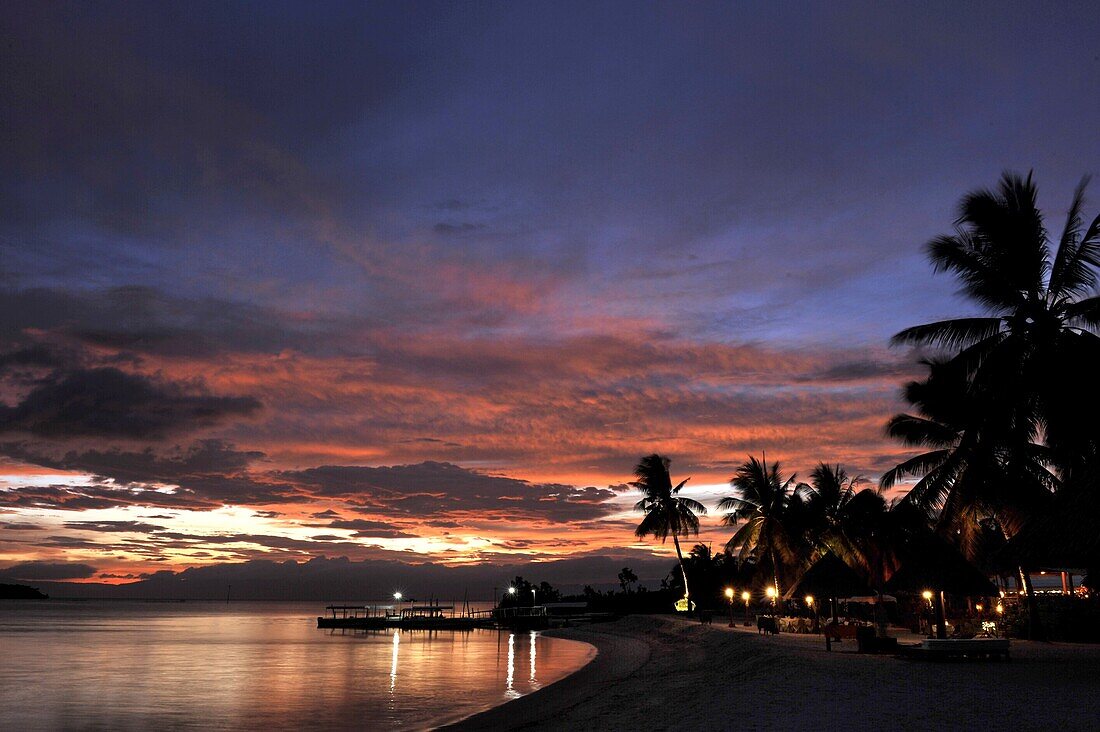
[1000, 609]
[927, 595]
[809, 600]
[729, 593]
[978, 607]
[511, 590]
[397, 596]
[770, 592]
[745, 595]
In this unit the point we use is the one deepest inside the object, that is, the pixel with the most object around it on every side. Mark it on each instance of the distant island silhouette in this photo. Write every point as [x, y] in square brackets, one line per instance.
[20, 592]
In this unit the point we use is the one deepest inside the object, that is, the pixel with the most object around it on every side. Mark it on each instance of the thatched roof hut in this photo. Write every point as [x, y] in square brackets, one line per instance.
[931, 563]
[829, 577]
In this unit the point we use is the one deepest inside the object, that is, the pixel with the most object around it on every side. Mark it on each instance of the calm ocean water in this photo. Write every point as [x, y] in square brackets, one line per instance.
[131, 665]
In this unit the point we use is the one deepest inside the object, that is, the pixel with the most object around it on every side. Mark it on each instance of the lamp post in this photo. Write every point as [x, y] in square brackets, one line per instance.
[927, 595]
[746, 596]
[813, 610]
[773, 596]
[729, 596]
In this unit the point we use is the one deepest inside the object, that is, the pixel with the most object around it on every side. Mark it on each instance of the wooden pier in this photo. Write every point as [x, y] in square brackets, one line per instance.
[433, 617]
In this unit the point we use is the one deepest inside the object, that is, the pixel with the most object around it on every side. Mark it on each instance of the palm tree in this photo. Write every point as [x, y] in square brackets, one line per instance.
[666, 512]
[827, 496]
[1008, 402]
[763, 501]
[1036, 346]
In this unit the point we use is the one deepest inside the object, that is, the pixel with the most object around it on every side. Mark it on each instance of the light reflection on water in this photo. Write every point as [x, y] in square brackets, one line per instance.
[109, 665]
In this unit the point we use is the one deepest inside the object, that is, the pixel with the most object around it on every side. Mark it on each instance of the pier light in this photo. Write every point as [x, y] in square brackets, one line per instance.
[729, 593]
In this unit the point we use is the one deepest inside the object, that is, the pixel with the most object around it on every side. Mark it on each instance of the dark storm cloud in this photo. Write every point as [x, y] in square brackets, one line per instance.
[113, 526]
[370, 529]
[83, 498]
[110, 403]
[433, 488]
[202, 458]
[48, 571]
[35, 356]
[145, 320]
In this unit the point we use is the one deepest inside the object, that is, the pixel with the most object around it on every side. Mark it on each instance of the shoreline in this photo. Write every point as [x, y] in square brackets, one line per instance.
[658, 672]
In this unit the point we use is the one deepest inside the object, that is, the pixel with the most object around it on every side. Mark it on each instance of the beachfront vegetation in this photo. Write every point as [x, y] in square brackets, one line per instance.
[1004, 421]
[1007, 412]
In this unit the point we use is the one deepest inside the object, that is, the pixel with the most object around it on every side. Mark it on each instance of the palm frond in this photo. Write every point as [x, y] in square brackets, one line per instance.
[1066, 269]
[955, 334]
[919, 465]
[921, 432]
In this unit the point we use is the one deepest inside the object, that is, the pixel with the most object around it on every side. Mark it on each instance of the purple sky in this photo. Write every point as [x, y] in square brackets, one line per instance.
[251, 253]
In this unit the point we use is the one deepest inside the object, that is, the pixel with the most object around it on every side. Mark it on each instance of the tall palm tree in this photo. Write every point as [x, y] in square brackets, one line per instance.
[1037, 345]
[763, 500]
[1021, 376]
[667, 513]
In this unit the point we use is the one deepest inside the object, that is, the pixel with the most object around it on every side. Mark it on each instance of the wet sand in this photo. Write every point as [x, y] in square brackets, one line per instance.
[655, 673]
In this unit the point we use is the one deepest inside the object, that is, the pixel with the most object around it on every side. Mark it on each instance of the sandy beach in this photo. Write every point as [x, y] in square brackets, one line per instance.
[666, 673]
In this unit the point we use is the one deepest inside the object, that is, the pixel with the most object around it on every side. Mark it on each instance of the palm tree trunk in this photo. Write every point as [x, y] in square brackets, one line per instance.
[1030, 605]
[680, 557]
[775, 578]
[941, 616]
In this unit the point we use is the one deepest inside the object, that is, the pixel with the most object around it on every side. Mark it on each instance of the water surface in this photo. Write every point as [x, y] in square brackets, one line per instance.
[133, 665]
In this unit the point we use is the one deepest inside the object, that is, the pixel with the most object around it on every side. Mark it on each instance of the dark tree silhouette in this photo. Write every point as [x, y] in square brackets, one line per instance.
[1007, 401]
[666, 512]
[1037, 347]
[627, 578]
[763, 500]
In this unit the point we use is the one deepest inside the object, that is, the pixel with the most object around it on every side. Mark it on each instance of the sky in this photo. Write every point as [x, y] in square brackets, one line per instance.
[420, 282]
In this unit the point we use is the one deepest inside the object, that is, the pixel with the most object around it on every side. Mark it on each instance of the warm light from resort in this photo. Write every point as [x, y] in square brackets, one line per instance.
[927, 595]
[809, 600]
[729, 593]
[770, 592]
[979, 607]
[1000, 609]
[745, 596]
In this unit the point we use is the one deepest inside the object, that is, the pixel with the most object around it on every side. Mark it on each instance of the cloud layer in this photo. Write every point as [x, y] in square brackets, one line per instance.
[421, 284]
